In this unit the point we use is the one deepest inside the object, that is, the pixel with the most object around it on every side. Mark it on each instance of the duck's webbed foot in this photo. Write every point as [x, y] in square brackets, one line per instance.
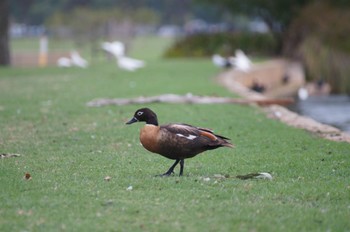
[166, 174]
[171, 169]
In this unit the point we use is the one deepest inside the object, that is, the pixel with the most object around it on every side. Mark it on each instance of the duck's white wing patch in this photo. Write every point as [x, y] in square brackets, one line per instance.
[190, 137]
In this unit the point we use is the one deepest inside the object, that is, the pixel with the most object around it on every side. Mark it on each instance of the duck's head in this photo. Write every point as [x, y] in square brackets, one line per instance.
[144, 115]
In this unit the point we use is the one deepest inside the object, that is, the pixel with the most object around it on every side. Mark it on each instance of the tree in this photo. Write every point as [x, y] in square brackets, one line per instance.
[4, 41]
[319, 37]
[278, 15]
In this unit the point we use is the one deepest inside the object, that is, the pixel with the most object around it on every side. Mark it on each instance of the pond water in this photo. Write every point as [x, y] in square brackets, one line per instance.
[332, 110]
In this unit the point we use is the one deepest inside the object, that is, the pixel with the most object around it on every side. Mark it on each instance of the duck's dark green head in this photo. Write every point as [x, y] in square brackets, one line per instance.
[144, 115]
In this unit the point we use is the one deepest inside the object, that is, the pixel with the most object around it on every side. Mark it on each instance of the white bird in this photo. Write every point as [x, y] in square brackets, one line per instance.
[64, 62]
[303, 94]
[115, 48]
[240, 61]
[77, 60]
[220, 61]
[129, 64]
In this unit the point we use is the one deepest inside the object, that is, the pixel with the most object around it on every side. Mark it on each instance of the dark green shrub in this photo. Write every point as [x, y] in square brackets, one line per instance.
[200, 45]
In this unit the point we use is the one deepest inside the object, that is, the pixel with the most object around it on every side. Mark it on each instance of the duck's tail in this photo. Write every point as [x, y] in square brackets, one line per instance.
[224, 142]
[217, 140]
[219, 143]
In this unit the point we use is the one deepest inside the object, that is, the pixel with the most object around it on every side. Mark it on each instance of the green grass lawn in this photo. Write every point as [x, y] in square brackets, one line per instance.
[69, 148]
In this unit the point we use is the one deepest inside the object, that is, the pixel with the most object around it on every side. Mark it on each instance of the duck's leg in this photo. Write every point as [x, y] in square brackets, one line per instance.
[182, 164]
[171, 169]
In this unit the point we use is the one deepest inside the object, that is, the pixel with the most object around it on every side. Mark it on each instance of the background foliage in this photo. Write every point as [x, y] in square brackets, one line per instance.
[321, 41]
[299, 27]
[199, 45]
[37, 11]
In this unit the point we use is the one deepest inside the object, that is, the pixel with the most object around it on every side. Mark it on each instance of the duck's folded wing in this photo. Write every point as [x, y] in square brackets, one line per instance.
[181, 129]
[195, 137]
[190, 132]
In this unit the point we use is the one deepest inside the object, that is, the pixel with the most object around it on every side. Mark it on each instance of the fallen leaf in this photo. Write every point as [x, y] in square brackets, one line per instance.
[27, 176]
[108, 202]
[107, 178]
[73, 129]
[24, 212]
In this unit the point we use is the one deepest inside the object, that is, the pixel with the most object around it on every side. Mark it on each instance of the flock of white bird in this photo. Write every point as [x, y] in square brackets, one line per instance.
[74, 60]
[116, 49]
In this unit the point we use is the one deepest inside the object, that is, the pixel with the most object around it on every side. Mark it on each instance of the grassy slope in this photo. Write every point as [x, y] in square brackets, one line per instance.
[69, 148]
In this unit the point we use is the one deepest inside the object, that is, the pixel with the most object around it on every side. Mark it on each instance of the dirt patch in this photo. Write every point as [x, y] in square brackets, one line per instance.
[31, 59]
[280, 113]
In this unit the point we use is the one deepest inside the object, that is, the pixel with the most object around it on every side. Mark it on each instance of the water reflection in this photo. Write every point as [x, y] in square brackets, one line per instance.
[333, 110]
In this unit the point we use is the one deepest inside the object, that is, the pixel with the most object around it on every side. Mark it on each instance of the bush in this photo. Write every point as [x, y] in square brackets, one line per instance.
[327, 64]
[200, 45]
[319, 36]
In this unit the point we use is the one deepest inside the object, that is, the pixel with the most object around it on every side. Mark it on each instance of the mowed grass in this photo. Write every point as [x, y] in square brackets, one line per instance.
[69, 149]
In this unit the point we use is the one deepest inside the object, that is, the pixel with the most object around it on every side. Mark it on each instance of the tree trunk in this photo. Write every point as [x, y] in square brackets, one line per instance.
[277, 34]
[4, 37]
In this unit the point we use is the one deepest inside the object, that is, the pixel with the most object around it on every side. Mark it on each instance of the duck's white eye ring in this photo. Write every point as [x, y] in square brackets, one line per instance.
[139, 113]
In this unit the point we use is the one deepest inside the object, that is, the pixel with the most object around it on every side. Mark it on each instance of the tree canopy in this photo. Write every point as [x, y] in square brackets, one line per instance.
[277, 14]
[171, 11]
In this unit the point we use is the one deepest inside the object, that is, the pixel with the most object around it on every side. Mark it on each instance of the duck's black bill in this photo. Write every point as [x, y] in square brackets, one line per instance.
[133, 120]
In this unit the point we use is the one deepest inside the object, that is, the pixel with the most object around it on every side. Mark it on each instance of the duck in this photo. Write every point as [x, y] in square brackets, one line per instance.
[176, 141]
